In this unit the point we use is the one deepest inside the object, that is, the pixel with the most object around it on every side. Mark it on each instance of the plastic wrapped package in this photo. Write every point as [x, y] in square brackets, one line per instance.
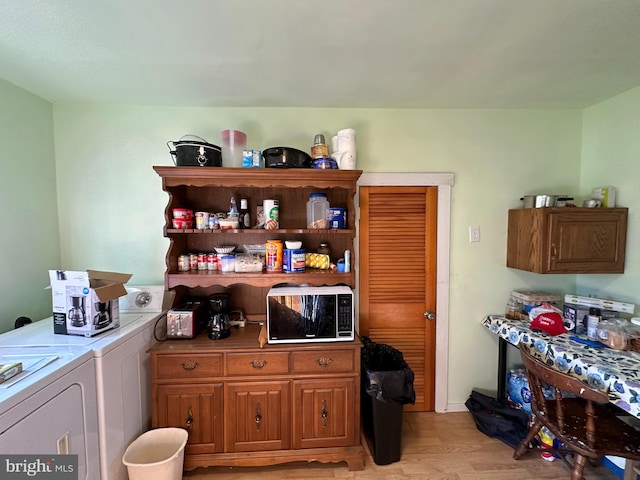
[618, 333]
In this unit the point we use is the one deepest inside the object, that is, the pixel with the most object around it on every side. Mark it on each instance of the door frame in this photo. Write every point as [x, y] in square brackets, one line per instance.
[444, 182]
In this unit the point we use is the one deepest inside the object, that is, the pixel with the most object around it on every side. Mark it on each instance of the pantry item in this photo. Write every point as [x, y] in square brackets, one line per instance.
[320, 148]
[245, 216]
[337, 218]
[325, 163]
[229, 223]
[225, 248]
[317, 211]
[317, 260]
[271, 212]
[193, 151]
[273, 253]
[293, 260]
[292, 245]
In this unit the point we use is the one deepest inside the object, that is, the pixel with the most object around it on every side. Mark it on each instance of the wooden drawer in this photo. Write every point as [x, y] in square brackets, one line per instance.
[260, 363]
[189, 365]
[331, 361]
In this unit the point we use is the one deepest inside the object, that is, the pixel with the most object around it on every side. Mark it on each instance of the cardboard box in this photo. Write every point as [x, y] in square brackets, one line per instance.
[86, 303]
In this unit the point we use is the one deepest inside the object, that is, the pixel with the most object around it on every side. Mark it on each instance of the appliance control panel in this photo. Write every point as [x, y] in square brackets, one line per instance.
[345, 315]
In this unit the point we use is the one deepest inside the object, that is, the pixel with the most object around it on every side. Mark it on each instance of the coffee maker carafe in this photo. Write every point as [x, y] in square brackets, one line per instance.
[77, 312]
[102, 318]
[219, 325]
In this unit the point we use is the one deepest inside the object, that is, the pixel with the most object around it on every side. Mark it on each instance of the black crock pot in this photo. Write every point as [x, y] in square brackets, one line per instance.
[193, 151]
[286, 157]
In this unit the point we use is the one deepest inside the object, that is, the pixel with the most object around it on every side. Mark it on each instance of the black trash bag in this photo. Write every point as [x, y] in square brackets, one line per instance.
[386, 375]
[497, 419]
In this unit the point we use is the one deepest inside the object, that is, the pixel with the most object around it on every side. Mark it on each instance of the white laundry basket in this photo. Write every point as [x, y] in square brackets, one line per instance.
[156, 454]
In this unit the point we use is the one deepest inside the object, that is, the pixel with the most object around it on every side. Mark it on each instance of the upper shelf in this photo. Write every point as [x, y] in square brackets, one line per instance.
[257, 177]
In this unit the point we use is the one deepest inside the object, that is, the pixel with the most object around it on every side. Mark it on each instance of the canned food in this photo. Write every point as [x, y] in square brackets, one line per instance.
[212, 262]
[273, 251]
[193, 261]
[337, 218]
[202, 220]
[202, 261]
[213, 222]
[183, 263]
[271, 212]
[294, 260]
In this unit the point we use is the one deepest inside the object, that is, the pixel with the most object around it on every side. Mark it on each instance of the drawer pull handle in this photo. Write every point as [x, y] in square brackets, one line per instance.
[189, 421]
[189, 365]
[324, 361]
[258, 364]
[258, 417]
[324, 414]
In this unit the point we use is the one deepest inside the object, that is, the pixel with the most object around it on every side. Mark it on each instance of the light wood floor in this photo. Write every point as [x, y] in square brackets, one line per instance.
[434, 447]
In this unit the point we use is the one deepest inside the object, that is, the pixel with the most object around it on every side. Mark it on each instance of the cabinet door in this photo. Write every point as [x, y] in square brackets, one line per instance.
[589, 242]
[324, 414]
[197, 408]
[257, 416]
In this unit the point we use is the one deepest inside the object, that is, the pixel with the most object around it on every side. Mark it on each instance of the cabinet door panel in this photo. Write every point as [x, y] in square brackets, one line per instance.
[257, 416]
[586, 243]
[323, 413]
[198, 408]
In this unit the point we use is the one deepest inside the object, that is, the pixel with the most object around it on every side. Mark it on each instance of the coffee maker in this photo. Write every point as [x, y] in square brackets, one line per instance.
[103, 317]
[77, 312]
[219, 325]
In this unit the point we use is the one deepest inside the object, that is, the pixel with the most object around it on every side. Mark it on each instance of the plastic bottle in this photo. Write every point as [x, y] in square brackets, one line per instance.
[317, 211]
[245, 216]
[233, 208]
[347, 260]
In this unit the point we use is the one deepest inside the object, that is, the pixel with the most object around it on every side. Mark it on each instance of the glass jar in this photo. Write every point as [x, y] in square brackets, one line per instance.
[324, 249]
[317, 211]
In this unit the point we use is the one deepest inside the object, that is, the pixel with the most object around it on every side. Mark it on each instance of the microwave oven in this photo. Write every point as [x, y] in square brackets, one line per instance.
[310, 314]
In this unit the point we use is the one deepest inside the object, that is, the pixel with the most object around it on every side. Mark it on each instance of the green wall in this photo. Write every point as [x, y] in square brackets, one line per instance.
[111, 206]
[29, 237]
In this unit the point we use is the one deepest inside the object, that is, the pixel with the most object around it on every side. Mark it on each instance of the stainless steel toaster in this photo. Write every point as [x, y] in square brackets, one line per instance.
[187, 320]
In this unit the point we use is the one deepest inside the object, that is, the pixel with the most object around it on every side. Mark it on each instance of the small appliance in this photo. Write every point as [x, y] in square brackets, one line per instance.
[310, 314]
[219, 326]
[187, 320]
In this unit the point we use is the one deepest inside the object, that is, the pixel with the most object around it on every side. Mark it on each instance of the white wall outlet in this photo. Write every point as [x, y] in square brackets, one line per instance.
[474, 234]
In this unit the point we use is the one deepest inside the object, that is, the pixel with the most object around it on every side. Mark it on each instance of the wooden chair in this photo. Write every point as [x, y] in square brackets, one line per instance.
[587, 429]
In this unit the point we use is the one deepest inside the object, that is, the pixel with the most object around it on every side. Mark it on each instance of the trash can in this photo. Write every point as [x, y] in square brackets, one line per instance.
[156, 454]
[386, 386]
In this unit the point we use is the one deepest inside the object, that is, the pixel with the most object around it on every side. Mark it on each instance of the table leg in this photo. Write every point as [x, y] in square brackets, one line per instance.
[502, 368]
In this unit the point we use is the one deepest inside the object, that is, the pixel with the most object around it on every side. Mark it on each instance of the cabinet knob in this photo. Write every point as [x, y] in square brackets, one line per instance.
[189, 365]
[258, 364]
[554, 251]
[258, 416]
[324, 361]
[324, 414]
[189, 421]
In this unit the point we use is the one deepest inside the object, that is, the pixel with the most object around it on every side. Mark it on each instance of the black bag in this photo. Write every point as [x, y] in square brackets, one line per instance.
[497, 419]
[386, 376]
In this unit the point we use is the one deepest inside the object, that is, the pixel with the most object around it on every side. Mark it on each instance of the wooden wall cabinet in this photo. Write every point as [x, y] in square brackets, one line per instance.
[567, 240]
[246, 406]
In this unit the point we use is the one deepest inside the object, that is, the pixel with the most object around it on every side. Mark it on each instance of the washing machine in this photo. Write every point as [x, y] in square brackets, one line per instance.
[52, 406]
[121, 372]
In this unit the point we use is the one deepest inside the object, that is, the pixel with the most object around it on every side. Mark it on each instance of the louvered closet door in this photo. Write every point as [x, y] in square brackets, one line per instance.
[397, 287]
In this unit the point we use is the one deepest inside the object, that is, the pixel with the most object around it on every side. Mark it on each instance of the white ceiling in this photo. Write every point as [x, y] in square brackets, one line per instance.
[329, 53]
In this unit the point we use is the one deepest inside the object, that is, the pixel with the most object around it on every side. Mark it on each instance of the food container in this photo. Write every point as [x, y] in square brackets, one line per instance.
[228, 264]
[539, 201]
[273, 253]
[193, 151]
[317, 260]
[616, 333]
[229, 223]
[183, 213]
[181, 223]
[294, 260]
[248, 263]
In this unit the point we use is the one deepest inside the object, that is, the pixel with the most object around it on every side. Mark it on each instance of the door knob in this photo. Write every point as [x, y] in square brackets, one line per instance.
[429, 315]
